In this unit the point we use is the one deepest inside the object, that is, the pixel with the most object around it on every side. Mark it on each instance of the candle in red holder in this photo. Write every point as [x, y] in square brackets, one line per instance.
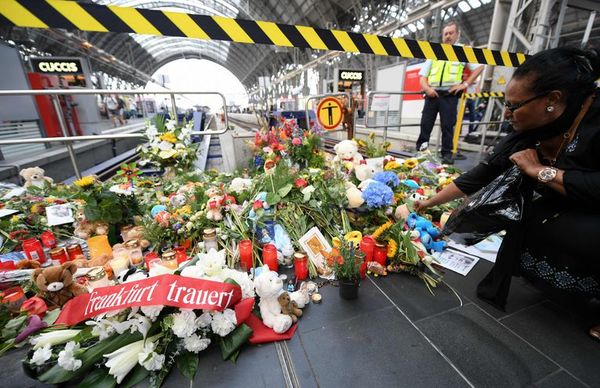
[33, 250]
[380, 253]
[150, 256]
[269, 257]
[180, 255]
[48, 239]
[245, 248]
[300, 265]
[367, 245]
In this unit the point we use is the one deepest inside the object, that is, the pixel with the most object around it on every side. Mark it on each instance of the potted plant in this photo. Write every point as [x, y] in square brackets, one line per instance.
[347, 269]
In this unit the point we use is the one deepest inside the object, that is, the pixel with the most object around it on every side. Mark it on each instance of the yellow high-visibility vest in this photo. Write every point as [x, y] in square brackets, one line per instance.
[444, 73]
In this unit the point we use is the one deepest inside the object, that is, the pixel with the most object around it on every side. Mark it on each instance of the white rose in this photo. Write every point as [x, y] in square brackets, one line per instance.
[195, 344]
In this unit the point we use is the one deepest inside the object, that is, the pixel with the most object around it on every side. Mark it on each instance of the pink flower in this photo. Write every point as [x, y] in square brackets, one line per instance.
[301, 183]
[296, 141]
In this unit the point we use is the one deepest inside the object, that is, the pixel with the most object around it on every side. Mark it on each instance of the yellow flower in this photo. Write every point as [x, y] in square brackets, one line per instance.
[336, 242]
[361, 143]
[392, 165]
[34, 208]
[84, 182]
[354, 237]
[50, 200]
[392, 247]
[15, 219]
[187, 209]
[379, 231]
[411, 163]
[169, 136]
[371, 135]
[144, 183]
[400, 196]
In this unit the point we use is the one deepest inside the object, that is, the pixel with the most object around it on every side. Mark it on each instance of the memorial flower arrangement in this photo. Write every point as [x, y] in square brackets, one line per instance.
[170, 145]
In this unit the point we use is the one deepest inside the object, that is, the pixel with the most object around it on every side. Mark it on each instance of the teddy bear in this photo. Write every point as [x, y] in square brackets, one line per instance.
[364, 171]
[268, 286]
[85, 229]
[56, 285]
[354, 196]
[135, 233]
[289, 307]
[347, 153]
[34, 176]
[214, 204]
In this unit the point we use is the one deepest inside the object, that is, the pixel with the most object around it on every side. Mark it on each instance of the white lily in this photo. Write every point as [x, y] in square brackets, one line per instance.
[123, 360]
[53, 338]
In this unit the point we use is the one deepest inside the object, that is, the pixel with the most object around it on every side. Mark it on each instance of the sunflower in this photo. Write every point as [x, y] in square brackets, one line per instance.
[354, 237]
[391, 165]
[392, 248]
[379, 231]
[84, 182]
[169, 137]
[411, 163]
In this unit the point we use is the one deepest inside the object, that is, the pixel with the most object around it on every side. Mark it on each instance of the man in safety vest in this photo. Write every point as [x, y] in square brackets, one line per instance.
[443, 84]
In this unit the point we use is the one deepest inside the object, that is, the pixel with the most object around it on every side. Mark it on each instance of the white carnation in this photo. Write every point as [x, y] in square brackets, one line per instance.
[42, 355]
[195, 344]
[204, 320]
[224, 322]
[243, 280]
[152, 312]
[184, 323]
[66, 358]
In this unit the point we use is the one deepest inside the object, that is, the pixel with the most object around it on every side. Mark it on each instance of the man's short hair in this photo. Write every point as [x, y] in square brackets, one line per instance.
[452, 23]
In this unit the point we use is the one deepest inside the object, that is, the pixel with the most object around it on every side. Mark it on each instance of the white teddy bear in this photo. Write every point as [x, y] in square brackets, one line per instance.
[268, 286]
[34, 176]
[347, 153]
[354, 196]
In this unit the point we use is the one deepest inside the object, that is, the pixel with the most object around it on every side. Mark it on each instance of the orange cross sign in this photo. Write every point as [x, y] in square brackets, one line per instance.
[329, 113]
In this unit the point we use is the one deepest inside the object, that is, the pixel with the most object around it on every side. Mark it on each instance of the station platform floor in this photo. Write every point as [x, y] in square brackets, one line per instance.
[397, 334]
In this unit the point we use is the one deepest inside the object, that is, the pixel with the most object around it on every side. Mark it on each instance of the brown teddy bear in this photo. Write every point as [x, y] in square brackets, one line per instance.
[135, 233]
[289, 307]
[85, 229]
[34, 176]
[56, 284]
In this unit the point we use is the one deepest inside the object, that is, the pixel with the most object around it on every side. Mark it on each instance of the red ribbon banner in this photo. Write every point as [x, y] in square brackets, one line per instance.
[164, 290]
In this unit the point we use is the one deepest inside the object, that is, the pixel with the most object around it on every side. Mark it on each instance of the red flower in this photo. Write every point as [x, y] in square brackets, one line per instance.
[229, 200]
[257, 205]
[301, 183]
[34, 306]
[269, 164]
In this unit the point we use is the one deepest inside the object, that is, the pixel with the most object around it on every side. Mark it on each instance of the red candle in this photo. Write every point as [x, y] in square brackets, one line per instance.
[380, 253]
[245, 248]
[33, 250]
[300, 266]
[180, 255]
[150, 256]
[269, 257]
[48, 239]
[367, 245]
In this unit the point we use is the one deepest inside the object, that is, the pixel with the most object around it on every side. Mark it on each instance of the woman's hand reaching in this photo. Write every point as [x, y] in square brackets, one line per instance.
[421, 205]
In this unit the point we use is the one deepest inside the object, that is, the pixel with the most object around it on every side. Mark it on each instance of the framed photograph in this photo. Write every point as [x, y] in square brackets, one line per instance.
[313, 243]
[59, 214]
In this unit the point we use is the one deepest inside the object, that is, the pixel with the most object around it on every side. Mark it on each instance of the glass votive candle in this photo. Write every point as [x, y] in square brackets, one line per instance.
[97, 277]
[119, 265]
[136, 258]
[245, 248]
[380, 253]
[99, 246]
[150, 257]
[180, 255]
[367, 245]
[269, 256]
[169, 260]
[300, 265]
[14, 297]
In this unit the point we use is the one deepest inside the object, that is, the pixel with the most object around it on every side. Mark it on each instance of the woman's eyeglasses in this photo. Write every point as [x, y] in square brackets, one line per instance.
[513, 107]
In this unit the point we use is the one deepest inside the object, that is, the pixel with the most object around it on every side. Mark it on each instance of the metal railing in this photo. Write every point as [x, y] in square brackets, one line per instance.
[387, 110]
[69, 140]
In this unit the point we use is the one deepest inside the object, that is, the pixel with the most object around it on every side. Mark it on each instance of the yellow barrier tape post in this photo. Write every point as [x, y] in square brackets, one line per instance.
[459, 119]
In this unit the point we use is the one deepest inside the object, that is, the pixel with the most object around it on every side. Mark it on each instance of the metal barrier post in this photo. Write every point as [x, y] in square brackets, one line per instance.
[63, 128]
[462, 104]
[174, 107]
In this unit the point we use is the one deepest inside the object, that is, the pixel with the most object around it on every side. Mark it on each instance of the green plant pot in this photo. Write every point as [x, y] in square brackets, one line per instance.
[349, 289]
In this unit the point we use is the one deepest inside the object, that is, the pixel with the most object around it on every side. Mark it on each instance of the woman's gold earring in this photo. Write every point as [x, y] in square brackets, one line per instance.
[550, 108]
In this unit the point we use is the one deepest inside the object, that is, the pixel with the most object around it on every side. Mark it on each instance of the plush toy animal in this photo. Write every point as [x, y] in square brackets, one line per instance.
[268, 286]
[289, 307]
[354, 196]
[214, 205]
[85, 229]
[34, 176]
[347, 153]
[136, 233]
[364, 171]
[376, 269]
[56, 284]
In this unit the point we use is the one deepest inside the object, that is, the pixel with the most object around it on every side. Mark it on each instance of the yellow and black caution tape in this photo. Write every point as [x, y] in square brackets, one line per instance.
[484, 94]
[72, 15]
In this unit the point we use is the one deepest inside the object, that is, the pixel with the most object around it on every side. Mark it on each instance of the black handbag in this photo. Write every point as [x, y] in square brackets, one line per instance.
[488, 211]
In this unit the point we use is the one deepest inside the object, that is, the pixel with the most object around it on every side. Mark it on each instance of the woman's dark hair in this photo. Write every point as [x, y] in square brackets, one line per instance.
[570, 70]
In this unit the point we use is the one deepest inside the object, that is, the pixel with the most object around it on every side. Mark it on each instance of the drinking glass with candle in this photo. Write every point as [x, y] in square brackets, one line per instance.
[269, 256]
[245, 248]
[300, 265]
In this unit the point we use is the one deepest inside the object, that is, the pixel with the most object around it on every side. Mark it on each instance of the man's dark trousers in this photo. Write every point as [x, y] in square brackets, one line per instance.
[446, 106]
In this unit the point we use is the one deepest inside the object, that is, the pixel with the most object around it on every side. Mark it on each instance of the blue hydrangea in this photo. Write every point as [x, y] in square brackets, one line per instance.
[387, 177]
[378, 195]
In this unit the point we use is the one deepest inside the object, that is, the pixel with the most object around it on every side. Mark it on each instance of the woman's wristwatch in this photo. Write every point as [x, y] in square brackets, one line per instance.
[547, 174]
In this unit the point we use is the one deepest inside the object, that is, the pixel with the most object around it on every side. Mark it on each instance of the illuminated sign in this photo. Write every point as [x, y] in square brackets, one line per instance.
[351, 75]
[49, 65]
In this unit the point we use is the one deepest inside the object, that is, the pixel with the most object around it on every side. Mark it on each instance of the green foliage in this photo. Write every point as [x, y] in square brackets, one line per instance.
[187, 363]
[347, 268]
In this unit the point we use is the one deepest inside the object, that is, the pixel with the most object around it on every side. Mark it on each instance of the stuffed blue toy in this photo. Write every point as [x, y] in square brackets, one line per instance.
[427, 232]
